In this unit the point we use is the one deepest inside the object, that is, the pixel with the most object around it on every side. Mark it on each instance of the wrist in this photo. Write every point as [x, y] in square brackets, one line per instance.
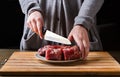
[82, 26]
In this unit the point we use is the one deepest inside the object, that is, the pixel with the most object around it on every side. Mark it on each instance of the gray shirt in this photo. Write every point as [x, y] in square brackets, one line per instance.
[60, 16]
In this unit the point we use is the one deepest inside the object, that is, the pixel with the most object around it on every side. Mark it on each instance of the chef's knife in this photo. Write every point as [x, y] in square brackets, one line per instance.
[50, 36]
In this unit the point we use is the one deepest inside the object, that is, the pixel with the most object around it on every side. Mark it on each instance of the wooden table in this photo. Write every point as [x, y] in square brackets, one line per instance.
[5, 54]
[25, 63]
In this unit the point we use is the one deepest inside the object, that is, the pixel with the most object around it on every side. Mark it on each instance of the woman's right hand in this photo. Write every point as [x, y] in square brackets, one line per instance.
[35, 22]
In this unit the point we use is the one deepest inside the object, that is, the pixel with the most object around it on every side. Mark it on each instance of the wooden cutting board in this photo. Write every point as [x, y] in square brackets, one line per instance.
[25, 63]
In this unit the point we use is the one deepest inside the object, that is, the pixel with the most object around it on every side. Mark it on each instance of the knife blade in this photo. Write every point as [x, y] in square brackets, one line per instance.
[51, 36]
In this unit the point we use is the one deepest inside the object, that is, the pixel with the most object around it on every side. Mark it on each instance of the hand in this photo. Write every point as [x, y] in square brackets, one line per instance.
[35, 23]
[79, 34]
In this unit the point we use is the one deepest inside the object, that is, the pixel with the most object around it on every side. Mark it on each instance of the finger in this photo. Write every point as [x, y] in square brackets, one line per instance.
[70, 37]
[82, 49]
[80, 45]
[34, 26]
[31, 27]
[86, 44]
[39, 27]
[86, 47]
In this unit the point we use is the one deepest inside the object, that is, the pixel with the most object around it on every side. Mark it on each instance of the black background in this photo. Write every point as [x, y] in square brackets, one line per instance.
[12, 20]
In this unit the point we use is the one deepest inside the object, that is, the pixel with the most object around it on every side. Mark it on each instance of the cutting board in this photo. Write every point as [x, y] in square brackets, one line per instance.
[25, 63]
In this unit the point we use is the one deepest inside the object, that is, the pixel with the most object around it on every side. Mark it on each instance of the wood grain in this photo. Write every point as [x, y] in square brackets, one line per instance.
[25, 63]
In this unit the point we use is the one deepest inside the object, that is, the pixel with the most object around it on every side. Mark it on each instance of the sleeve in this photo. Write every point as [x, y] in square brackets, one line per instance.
[88, 12]
[28, 6]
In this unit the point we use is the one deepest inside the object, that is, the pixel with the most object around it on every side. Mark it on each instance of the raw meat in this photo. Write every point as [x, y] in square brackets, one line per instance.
[71, 53]
[53, 54]
[59, 52]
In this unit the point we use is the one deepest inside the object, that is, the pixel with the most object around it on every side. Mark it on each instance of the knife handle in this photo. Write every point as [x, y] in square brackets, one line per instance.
[44, 30]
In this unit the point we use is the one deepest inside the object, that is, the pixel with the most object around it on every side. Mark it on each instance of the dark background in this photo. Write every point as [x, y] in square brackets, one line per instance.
[12, 20]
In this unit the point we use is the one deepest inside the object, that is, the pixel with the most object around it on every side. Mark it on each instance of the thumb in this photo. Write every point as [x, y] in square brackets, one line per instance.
[70, 37]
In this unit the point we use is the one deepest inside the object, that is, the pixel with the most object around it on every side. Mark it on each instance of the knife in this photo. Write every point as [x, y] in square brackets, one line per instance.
[51, 36]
